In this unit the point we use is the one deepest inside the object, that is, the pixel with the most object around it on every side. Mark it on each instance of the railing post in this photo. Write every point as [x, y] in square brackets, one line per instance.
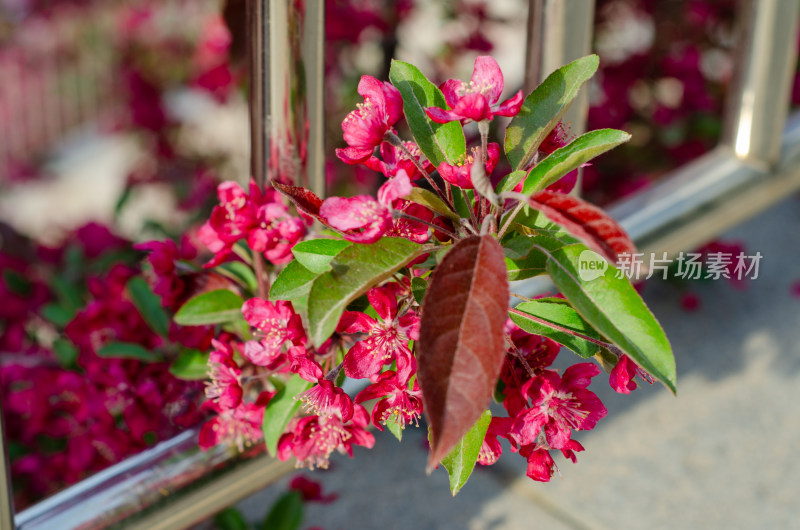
[759, 102]
[559, 31]
[287, 80]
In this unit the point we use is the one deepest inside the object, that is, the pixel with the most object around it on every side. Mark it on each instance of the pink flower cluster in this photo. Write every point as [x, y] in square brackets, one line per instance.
[544, 407]
[67, 418]
[258, 217]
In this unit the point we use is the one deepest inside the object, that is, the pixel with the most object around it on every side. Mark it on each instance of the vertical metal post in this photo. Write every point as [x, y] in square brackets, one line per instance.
[559, 31]
[6, 493]
[258, 39]
[758, 104]
[287, 80]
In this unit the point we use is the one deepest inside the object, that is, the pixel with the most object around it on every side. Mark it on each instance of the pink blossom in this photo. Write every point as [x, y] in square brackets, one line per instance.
[224, 387]
[311, 490]
[395, 400]
[560, 404]
[394, 159]
[690, 302]
[460, 174]
[365, 127]
[259, 217]
[240, 426]
[541, 465]
[539, 352]
[312, 439]
[275, 232]
[276, 324]
[409, 228]
[327, 399]
[559, 137]
[363, 219]
[386, 340]
[303, 364]
[491, 448]
[163, 257]
[621, 377]
[476, 100]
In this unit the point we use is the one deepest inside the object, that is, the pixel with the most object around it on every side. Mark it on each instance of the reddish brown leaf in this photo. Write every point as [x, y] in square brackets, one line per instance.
[585, 221]
[304, 199]
[460, 347]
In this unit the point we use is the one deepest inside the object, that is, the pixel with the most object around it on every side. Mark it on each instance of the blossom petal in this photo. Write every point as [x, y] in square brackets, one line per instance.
[394, 188]
[474, 107]
[353, 155]
[511, 106]
[452, 90]
[621, 377]
[393, 102]
[441, 116]
[384, 302]
[488, 78]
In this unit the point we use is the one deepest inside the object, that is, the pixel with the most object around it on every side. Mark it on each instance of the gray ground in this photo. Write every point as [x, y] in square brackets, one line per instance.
[720, 455]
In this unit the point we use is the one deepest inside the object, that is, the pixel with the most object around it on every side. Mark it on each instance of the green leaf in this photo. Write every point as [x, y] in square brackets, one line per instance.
[572, 156]
[510, 181]
[243, 273]
[286, 513]
[461, 460]
[354, 271]
[213, 307]
[230, 519]
[462, 200]
[127, 350]
[149, 305]
[65, 352]
[316, 254]
[294, 282]
[17, 283]
[190, 365]
[521, 263]
[555, 313]
[394, 427]
[611, 306]
[58, 315]
[438, 142]
[517, 247]
[418, 289]
[432, 201]
[67, 292]
[280, 409]
[16, 450]
[543, 109]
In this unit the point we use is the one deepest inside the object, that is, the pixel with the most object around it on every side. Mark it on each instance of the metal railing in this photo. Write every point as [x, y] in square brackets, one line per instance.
[756, 164]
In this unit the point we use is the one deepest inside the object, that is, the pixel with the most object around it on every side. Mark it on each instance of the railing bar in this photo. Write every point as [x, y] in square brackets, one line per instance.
[218, 494]
[697, 202]
[758, 104]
